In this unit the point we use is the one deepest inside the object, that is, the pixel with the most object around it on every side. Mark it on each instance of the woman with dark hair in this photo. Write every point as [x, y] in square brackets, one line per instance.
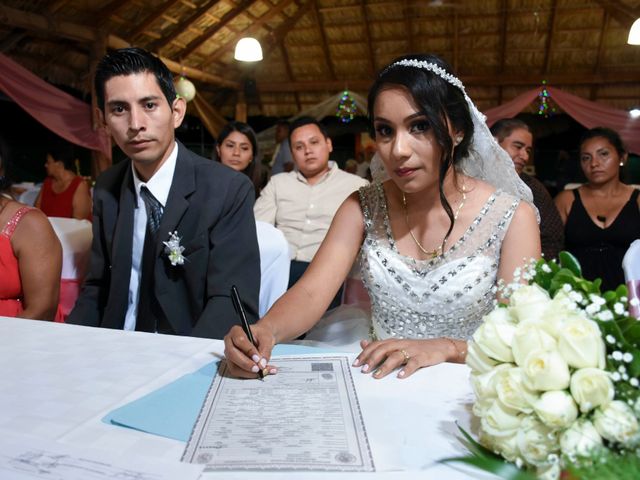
[63, 194]
[238, 148]
[442, 222]
[30, 257]
[601, 217]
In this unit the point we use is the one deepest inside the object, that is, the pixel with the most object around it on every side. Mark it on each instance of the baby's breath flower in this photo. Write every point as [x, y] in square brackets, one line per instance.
[634, 382]
[627, 357]
[546, 268]
[634, 302]
[615, 376]
[597, 299]
[617, 355]
[618, 308]
[605, 316]
[566, 287]
[610, 339]
[622, 369]
[592, 309]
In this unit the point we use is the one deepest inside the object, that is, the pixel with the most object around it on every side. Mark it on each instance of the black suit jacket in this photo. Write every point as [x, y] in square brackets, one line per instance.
[210, 207]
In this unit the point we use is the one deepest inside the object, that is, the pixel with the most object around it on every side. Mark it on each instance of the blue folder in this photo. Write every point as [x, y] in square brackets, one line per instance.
[171, 411]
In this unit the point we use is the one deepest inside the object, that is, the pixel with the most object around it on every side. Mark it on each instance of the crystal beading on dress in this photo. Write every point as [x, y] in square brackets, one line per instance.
[441, 297]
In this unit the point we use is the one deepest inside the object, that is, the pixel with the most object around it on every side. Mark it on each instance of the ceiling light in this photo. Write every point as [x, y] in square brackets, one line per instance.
[634, 33]
[248, 50]
[634, 112]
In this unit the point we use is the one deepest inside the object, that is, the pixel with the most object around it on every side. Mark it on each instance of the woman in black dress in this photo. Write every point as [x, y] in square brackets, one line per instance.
[602, 217]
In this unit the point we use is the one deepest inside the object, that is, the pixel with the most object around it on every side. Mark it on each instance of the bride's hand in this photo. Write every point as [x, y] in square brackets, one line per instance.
[383, 357]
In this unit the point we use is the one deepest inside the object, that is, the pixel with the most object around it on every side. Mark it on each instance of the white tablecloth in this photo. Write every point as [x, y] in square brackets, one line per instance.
[57, 381]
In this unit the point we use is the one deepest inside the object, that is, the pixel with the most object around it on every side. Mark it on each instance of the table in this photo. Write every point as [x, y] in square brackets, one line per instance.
[57, 381]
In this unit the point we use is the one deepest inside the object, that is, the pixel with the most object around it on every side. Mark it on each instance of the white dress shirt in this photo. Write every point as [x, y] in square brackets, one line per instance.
[303, 212]
[159, 185]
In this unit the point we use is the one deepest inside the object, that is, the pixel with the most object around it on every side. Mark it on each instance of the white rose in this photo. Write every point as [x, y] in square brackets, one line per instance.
[546, 370]
[504, 444]
[591, 388]
[500, 420]
[580, 439]
[483, 384]
[494, 336]
[530, 336]
[556, 409]
[616, 422]
[536, 441]
[580, 343]
[477, 360]
[512, 392]
[528, 303]
[558, 310]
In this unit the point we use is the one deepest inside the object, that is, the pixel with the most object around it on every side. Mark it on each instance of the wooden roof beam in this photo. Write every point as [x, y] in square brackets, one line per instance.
[212, 30]
[182, 26]
[81, 33]
[503, 43]
[323, 40]
[367, 38]
[409, 24]
[253, 29]
[469, 81]
[152, 17]
[279, 34]
[621, 13]
[109, 9]
[550, 32]
[287, 66]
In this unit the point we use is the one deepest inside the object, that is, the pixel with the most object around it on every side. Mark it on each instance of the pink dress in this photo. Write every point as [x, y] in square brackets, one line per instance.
[10, 284]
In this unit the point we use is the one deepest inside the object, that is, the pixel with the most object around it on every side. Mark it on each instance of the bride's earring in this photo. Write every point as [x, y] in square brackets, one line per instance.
[457, 140]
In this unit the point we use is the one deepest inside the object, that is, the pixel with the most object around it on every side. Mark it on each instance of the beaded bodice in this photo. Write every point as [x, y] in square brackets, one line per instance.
[441, 297]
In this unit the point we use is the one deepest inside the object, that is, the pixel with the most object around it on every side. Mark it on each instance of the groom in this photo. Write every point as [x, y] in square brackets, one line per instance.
[171, 231]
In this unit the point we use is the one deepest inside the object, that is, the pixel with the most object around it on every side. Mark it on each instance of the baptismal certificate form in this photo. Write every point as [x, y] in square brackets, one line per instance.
[306, 417]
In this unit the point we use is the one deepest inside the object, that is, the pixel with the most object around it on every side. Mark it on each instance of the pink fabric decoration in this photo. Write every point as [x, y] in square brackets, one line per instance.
[61, 113]
[587, 113]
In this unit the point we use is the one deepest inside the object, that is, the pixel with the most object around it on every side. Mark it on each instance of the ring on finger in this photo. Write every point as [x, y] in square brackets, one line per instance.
[406, 356]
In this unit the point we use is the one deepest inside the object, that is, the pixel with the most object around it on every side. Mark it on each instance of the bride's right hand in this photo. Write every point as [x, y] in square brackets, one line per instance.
[243, 359]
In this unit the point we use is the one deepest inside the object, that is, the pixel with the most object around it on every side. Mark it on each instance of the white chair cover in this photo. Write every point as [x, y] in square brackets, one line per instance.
[274, 265]
[631, 267]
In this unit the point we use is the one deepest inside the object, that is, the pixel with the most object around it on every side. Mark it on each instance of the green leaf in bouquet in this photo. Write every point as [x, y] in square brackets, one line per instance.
[569, 261]
[608, 466]
[610, 296]
[497, 466]
[486, 460]
[622, 291]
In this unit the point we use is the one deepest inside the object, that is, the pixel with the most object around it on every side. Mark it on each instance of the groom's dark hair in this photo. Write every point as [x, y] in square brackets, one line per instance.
[129, 61]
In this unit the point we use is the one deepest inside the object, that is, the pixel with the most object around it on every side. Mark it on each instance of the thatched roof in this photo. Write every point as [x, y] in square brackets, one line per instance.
[314, 48]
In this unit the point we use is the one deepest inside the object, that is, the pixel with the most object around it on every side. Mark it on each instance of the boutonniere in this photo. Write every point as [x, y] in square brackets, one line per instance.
[173, 249]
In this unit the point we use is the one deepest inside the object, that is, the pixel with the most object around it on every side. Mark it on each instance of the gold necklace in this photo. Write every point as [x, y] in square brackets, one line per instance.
[439, 250]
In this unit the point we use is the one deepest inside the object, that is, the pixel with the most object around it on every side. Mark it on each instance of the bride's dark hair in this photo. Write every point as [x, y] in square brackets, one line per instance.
[439, 101]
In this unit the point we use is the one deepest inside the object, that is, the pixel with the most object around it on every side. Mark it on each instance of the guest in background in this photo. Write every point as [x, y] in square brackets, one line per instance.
[282, 161]
[30, 257]
[516, 138]
[602, 217]
[238, 149]
[351, 166]
[63, 193]
[302, 203]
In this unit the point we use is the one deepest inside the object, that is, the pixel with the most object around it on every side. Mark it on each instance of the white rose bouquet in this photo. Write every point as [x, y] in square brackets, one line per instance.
[556, 372]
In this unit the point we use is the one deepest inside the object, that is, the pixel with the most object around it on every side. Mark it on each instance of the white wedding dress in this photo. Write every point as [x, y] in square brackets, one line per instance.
[443, 297]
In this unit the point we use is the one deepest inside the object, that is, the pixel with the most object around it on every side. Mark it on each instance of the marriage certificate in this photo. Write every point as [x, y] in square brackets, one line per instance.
[306, 417]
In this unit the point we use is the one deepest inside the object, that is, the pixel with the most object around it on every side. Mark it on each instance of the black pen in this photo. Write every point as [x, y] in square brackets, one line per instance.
[237, 304]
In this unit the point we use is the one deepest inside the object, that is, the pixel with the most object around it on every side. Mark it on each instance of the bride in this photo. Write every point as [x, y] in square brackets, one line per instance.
[443, 222]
